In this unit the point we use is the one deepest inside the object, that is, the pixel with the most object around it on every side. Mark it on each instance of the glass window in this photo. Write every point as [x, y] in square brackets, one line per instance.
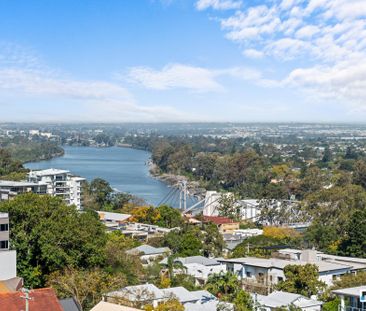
[4, 244]
[4, 227]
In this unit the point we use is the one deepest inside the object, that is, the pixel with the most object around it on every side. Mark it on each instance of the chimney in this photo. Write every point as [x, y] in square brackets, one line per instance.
[308, 255]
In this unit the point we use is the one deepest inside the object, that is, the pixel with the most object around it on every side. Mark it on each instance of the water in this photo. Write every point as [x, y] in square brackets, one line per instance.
[124, 168]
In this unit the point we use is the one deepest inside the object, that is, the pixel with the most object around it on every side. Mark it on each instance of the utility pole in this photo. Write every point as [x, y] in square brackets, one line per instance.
[26, 297]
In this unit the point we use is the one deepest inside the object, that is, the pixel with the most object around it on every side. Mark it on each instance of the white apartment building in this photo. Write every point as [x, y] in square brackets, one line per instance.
[8, 263]
[60, 183]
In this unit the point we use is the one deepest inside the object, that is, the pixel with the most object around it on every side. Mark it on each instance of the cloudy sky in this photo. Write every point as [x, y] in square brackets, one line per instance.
[183, 60]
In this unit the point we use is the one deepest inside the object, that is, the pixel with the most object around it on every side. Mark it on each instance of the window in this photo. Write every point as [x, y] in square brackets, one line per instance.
[4, 227]
[279, 279]
[4, 244]
[248, 274]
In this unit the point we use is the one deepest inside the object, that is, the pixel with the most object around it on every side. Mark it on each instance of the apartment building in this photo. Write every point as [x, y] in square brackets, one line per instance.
[10, 189]
[7, 257]
[60, 183]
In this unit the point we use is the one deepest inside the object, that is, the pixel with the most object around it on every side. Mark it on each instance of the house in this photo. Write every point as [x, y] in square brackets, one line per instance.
[107, 306]
[352, 298]
[43, 299]
[149, 294]
[60, 183]
[197, 266]
[224, 224]
[355, 264]
[116, 219]
[149, 253]
[262, 274]
[279, 299]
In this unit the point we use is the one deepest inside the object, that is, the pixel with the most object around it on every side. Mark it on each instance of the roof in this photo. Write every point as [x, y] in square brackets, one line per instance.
[279, 299]
[50, 171]
[113, 216]
[11, 285]
[145, 292]
[43, 299]
[107, 306]
[350, 291]
[10, 183]
[193, 259]
[211, 305]
[70, 304]
[148, 250]
[182, 294]
[323, 266]
[219, 220]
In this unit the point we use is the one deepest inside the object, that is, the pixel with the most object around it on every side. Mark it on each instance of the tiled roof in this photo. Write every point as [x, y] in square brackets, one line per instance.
[43, 299]
[219, 220]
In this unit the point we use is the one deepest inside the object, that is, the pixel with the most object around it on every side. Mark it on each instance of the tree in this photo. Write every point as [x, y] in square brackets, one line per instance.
[302, 280]
[169, 305]
[117, 261]
[186, 242]
[350, 280]
[86, 286]
[101, 190]
[49, 236]
[228, 206]
[359, 177]
[226, 286]
[354, 243]
[145, 214]
[169, 217]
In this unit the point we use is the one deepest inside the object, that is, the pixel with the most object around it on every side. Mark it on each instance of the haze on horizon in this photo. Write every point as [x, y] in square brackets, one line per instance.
[182, 60]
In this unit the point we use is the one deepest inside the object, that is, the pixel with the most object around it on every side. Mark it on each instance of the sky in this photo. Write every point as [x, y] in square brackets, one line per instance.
[183, 60]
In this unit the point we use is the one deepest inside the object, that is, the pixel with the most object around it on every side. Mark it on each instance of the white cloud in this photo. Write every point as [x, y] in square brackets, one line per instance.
[218, 4]
[328, 35]
[23, 78]
[253, 53]
[176, 76]
[196, 79]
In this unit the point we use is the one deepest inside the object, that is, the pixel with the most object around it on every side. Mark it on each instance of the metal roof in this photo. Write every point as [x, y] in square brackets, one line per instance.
[280, 299]
[148, 250]
[351, 291]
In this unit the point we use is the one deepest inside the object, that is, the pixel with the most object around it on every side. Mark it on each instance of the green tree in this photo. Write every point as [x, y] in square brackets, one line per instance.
[302, 280]
[49, 236]
[226, 286]
[101, 190]
[169, 217]
[354, 243]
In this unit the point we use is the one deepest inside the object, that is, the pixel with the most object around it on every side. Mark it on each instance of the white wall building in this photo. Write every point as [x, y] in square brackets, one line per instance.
[268, 272]
[8, 260]
[60, 183]
[249, 208]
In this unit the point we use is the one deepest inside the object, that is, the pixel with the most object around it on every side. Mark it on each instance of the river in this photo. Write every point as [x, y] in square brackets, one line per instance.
[125, 169]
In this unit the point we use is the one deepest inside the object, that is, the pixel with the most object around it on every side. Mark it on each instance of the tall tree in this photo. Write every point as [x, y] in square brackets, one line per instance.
[302, 280]
[49, 236]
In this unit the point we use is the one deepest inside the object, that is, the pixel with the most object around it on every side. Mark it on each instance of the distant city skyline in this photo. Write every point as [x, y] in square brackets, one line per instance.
[183, 60]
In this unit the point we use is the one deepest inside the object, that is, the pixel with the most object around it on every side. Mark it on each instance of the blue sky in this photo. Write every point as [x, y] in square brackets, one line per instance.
[182, 60]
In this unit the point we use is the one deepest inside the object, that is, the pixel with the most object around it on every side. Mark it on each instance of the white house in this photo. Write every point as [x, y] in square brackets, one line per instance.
[149, 294]
[268, 272]
[148, 254]
[280, 299]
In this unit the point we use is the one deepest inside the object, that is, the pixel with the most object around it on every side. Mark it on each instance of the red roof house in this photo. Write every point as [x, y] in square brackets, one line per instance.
[43, 299]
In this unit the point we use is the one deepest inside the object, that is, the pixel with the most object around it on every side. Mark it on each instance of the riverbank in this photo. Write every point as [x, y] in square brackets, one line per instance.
[173, 180]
